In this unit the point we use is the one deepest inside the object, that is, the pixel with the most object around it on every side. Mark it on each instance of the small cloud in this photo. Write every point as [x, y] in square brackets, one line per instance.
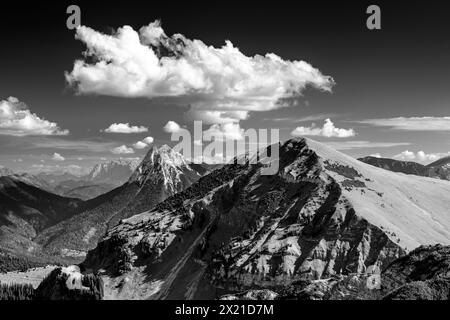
[420, 156]
[328, 130]
[16, 119]
[144, 143]
[171, 127]
[123, 149]
[376, 155]
[140, 145]
[125, 128]
[57, 157]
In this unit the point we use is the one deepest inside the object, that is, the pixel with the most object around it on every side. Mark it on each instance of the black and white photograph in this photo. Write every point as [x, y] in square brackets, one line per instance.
[245, 153]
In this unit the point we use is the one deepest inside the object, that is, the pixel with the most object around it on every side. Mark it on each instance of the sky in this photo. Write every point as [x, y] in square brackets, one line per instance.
[134, 72]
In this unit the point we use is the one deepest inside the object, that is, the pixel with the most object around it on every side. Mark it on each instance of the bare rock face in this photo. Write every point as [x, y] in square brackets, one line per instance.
[323, 216]
[424, 274]
[69, 284]
[252, 295]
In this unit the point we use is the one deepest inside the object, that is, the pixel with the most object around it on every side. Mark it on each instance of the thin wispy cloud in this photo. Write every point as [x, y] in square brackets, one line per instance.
[411, 123]
[314, 117]
[63, 144]
[363, 144]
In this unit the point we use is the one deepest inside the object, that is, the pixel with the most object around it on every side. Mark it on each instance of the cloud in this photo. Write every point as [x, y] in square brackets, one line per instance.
[57, 157]
[140, 145]
[171, 127]
[148, 140]
[216, 117]
[72, 169]
[125, 128]
[412, 123]
[376, 155]
[16, 119]
[123, 149]
[328, 130]
[420, 156]
[63, 144]
[314, 117]
[148, 63]
[361, 144]
[143, 143]
[225, 131]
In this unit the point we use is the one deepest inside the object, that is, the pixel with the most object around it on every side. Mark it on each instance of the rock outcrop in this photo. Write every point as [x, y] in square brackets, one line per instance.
[69, 284]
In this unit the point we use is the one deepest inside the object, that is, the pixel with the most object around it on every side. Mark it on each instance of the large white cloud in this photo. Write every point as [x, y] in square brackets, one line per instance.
[125, 128]
[16, 119]
[412, 123]
[420, 156]
[328, 130]
[148, 63]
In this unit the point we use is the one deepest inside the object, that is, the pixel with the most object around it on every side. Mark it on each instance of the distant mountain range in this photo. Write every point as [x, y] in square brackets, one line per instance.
[161, 174]
[323, 215]
[439, 169]
[5, 171]
[30, 204]
[26, 210]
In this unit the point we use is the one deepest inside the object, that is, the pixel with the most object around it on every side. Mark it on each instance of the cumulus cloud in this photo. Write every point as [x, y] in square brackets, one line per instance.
[215, 82]
[140, 145]
[123, 149]
[143, 143]
[419, 156]
[171, 127]
[125, 128]
[328, 130]
[57, 157]
[225, 131]
[412, 123]
[16, 119]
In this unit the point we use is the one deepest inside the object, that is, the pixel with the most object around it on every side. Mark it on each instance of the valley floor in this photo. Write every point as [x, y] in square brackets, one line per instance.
[33, 276]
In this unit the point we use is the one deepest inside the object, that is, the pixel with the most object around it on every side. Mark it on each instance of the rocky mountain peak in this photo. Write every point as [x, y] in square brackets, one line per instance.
[160, 161]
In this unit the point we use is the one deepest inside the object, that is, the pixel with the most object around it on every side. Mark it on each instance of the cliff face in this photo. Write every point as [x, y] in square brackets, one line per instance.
[323, 215]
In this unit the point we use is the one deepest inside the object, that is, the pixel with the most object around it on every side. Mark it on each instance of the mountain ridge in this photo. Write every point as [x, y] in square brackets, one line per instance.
[324, 213]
